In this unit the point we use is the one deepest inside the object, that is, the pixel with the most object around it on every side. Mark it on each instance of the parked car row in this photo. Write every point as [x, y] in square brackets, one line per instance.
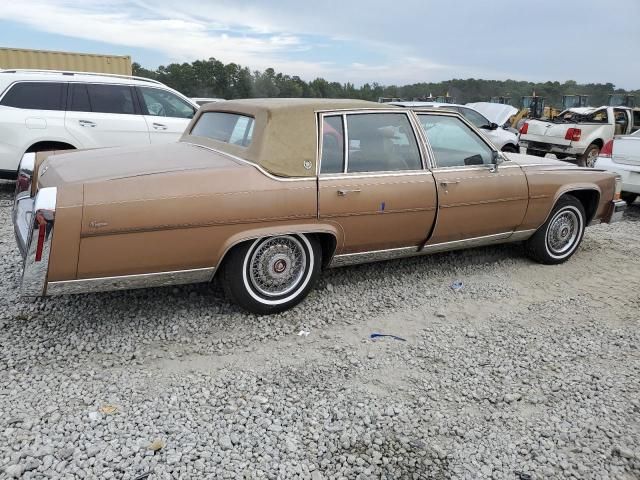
[49, 110]
[264, 194]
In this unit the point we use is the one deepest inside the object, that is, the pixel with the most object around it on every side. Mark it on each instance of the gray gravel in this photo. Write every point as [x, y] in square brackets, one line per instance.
[529, 372]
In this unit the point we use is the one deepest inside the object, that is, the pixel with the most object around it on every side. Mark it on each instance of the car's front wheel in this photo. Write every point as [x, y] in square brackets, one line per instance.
[272, 274]
[559, 237]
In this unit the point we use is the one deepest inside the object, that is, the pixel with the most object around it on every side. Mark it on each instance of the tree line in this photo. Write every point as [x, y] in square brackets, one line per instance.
[212, 78]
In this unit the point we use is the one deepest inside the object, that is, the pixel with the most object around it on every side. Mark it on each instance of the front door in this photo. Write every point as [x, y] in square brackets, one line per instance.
[476, 198]
[166, 114]
[372, 181]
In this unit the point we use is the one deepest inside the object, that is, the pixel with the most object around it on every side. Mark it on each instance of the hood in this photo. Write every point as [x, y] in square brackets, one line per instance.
[495, 112]
[122, 162]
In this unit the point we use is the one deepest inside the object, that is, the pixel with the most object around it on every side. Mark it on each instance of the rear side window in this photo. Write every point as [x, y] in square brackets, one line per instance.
[79, 98]
[36, 96]
[381, 142]
[225, 127]
[111, 99]
[332, 145]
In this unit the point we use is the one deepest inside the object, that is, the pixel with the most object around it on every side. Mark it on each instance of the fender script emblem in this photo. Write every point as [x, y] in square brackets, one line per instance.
[95, 224]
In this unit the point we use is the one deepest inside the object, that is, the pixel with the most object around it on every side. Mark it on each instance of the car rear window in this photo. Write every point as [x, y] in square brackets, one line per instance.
[36, 96]
[225, 127]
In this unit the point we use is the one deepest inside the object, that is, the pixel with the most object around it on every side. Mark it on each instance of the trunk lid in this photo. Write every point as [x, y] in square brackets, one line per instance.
[626, 150]
[122, 162]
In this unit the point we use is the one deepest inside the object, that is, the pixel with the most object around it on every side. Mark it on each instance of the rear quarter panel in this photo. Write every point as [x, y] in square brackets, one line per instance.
[186, 220]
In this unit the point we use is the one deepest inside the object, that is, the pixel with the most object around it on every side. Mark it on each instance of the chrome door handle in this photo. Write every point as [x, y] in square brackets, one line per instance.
[86, 123]
[159, 126]
[342, 193]
[445, 183]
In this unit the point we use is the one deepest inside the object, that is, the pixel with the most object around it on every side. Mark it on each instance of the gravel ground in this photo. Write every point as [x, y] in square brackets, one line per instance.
[529, 372]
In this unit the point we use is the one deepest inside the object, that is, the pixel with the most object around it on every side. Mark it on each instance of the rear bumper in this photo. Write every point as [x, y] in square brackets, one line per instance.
[549, 148]
[33, 221]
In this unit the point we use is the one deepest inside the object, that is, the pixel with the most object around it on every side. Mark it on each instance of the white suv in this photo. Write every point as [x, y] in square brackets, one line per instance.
[54, 110]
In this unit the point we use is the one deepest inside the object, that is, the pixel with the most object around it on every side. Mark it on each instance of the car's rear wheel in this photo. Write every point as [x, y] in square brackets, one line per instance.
[629, 197]
[589, 157]
[272, 274]
[559, 237]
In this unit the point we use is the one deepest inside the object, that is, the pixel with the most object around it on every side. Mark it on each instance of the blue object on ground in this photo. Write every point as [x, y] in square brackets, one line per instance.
[379, 335]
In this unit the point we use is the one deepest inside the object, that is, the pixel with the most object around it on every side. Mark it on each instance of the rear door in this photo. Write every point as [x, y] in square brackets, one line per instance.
[167, 115]
[105, 115]
[372, 181]
[476, 199]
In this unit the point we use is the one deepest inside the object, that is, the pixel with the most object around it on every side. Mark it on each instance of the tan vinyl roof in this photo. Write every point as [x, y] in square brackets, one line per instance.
[284, 134]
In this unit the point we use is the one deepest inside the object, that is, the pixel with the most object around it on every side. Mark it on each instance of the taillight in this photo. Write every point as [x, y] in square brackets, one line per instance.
[607, 150]
[573, 134]
[524, 128]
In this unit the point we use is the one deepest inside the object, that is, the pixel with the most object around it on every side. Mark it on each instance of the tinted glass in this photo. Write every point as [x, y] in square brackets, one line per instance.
[79, 98]
[332, 145]
[380, 142]
[453, 143]
[161, 103]
[225, 127]
[36, 96]
[474, 117]
[111, 99]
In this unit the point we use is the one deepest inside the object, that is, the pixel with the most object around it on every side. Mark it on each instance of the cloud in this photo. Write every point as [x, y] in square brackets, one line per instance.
[361, 40]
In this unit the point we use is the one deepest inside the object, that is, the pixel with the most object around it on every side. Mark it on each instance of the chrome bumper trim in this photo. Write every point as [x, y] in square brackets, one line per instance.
[33, 219]
[127, 282]
[617, 211]
[38, 245]
[404, 252]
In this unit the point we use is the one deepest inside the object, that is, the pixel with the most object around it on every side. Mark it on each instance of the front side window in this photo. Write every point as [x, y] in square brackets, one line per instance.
[381, 142]
[36, 96]
[225, 127]
[111, 98]
[332, 145]
[160, 103]
[453, 143]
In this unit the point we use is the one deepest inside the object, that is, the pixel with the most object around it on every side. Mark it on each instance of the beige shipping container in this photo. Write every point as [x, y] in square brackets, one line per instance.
[78, 62]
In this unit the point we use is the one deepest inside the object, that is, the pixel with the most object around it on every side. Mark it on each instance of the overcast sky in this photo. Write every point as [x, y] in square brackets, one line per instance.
[391, 42]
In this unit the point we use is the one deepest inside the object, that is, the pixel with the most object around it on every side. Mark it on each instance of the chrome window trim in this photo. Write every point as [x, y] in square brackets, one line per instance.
[128, 282]
[405, 252]
[356, 175]
[258, 167]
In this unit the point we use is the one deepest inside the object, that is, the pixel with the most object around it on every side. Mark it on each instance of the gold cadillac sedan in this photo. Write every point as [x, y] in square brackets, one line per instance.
[264, 194]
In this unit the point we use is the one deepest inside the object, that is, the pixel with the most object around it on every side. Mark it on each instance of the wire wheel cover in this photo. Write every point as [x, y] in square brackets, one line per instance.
[277, 266]
[563, 231]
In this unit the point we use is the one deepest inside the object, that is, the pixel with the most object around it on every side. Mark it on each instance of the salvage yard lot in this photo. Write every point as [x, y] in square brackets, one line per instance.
[530, 371]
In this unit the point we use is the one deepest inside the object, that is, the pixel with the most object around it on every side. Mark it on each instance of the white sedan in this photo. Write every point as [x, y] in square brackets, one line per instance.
[622, 156]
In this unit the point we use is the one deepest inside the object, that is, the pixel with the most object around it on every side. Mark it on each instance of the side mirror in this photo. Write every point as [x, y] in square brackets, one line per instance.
[490, 126]
[496, 159]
